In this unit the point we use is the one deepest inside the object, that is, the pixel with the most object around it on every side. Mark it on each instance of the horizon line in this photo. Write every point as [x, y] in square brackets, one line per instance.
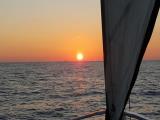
[65, 61]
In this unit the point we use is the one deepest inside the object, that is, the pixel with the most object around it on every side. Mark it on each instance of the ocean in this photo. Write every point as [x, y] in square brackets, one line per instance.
[65, 90]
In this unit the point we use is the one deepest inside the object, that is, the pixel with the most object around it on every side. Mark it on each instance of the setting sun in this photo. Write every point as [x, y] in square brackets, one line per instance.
[80, 56]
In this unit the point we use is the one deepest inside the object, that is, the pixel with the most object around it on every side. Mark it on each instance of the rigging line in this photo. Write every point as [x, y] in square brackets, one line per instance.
[130, 105]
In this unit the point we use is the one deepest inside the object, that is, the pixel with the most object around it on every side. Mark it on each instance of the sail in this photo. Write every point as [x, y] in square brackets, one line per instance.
[127, 27]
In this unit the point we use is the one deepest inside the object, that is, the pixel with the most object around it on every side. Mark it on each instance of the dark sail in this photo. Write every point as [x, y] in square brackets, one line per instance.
[127, 28]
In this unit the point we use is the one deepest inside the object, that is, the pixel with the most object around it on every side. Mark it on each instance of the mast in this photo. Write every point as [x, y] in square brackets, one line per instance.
[127, 26]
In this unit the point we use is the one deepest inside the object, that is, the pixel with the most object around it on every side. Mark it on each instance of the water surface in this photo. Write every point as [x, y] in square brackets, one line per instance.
[65, 90]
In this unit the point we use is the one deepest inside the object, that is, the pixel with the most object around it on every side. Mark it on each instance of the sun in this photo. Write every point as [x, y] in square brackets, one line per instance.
[80, 56]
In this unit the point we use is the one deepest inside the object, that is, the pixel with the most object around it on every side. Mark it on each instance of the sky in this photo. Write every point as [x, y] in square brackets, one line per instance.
[56, 30]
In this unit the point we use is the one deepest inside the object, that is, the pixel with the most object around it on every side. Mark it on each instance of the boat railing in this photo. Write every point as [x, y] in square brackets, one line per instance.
[102, 112]
[135, 115]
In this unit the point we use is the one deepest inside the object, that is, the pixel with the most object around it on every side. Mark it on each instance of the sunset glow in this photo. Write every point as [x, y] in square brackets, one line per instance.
[80, 56]
[54, 30]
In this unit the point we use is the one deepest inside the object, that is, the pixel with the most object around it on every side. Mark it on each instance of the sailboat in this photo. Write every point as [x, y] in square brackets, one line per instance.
[127, 27]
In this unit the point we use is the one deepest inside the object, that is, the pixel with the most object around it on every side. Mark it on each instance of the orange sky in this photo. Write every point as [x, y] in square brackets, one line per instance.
[153, 49]
[55, 30]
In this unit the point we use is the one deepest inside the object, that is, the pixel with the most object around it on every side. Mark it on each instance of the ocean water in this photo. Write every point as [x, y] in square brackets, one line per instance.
[145, 97]
[65, 90]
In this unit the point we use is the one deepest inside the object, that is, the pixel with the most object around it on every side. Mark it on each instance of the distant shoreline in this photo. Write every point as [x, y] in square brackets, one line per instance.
[52, 62]
[63, 61]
